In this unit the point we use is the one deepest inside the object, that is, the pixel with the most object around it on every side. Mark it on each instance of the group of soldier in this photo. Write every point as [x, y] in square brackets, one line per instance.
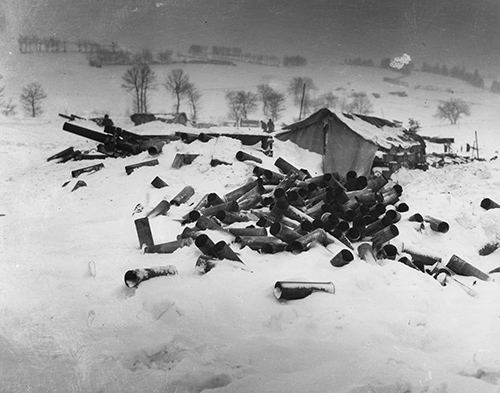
[267, 127]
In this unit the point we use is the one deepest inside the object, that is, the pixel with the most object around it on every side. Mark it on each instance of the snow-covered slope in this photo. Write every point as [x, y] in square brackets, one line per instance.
[74, 87]
[69, 324]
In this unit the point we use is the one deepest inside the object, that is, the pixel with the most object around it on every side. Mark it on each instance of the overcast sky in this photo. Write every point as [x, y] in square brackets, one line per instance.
[441, 30]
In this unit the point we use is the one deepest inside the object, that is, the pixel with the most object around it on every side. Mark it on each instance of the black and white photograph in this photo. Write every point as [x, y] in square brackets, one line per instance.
[249, 196]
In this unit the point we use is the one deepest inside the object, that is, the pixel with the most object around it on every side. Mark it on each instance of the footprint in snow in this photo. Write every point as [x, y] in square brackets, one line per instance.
[486, 375]
[164, 359]
[195, 383]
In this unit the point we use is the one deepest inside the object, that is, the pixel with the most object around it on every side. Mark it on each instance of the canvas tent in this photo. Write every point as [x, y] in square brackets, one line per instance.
[348, 141]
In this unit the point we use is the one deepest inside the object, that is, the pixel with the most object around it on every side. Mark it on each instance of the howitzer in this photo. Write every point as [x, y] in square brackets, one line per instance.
[123, 140]
[121, 144]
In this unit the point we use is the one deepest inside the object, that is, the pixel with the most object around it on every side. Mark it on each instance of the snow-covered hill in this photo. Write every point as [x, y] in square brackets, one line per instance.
[74, 87]
[69, 324]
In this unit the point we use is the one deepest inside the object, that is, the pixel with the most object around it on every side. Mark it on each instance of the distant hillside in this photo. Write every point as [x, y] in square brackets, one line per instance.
[73, 86]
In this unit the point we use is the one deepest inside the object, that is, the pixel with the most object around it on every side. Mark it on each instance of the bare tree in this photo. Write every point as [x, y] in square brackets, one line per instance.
[360, 103]
[241, 103]
[300, 88]
[139, 80]
[276, 104]
[272, 101]
[193, 96]
[7, 107]
[177, 84]
[452, 109]
[264, 92]
[32, 97]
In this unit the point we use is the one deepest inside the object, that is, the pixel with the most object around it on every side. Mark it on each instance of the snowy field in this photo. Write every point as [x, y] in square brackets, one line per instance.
[69, 324]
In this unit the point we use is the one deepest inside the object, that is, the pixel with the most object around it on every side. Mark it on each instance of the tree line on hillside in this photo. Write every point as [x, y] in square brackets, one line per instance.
[473, 78]
[294, 61]
[98, 54]
[51, 44]
[106, 56]
[385, 63]
[111, 54]
[196, 54]
[237, 53]
[218, 52]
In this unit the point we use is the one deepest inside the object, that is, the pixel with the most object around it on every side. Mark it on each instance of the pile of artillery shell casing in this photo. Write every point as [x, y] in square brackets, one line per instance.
[285, 209]
[290, 210]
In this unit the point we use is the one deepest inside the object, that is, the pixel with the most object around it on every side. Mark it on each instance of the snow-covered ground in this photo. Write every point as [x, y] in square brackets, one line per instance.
[69, 324]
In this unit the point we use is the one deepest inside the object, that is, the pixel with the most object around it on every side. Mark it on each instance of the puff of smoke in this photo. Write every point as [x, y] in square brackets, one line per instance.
[401, 61]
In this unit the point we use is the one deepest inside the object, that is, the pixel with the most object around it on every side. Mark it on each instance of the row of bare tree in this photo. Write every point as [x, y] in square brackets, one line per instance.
[242, 103]
[231, 53]
[117, 56]
[141, 79]
[301, 89]
[33, 43]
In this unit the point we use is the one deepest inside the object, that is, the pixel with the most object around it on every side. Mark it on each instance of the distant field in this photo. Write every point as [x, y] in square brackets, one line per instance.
[73, 86]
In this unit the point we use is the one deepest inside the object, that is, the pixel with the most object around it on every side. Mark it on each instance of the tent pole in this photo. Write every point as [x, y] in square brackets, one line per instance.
[477, 146]
[302, 100]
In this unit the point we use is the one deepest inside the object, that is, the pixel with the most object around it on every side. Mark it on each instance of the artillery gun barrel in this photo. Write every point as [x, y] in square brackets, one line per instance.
[85, 132]
[131, 147]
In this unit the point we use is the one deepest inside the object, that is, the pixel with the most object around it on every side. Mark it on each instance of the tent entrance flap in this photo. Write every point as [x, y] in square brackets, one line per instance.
[326, 127]
[345, 151]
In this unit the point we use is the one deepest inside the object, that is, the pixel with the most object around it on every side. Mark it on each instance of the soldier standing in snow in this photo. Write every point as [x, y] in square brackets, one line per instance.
[109, 128]
[270, 125]
[108, 124]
